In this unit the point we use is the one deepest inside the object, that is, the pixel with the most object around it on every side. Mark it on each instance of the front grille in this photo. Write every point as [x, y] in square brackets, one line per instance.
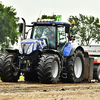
[25, 47]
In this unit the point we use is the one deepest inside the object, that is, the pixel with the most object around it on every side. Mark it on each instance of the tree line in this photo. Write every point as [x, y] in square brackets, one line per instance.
[86, 29]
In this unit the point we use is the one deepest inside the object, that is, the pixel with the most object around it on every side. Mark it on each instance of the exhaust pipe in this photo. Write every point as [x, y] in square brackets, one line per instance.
[24, 28]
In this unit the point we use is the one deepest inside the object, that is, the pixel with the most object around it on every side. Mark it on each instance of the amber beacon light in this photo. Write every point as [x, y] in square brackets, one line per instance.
[73, 22]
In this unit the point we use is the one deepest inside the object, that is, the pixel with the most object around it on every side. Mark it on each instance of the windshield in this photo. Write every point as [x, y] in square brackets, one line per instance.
[41, 31]
[46, 32]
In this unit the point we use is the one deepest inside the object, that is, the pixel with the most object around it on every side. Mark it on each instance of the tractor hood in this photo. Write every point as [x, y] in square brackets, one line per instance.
[30, 45]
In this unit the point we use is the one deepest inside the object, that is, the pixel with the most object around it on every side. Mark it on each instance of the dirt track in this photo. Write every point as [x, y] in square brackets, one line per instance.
[37, 91]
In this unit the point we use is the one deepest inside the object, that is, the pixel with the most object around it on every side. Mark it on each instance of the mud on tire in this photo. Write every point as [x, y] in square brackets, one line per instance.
[49, 68]
[75, 67]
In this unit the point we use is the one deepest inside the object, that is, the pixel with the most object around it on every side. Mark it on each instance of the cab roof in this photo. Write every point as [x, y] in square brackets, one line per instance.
[49, 23]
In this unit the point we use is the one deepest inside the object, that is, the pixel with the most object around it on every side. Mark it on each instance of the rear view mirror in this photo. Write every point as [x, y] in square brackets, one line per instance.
[67, 28]
[20, 27]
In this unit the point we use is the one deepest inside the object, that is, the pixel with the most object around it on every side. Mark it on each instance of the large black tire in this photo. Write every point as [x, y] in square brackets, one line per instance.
[49, 69]
[31, 76]
[75, 67]
[10, 75]
[2, 58]
[96, 73]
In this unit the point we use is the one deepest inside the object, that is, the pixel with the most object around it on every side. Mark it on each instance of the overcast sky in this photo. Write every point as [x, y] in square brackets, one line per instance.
[32, 9]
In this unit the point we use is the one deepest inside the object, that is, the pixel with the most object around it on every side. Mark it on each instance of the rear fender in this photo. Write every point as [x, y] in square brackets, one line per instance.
[70, 48]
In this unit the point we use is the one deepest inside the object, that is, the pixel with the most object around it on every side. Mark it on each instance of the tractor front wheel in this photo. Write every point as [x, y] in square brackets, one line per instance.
[49, 69]
[2, 58]
[10, 74]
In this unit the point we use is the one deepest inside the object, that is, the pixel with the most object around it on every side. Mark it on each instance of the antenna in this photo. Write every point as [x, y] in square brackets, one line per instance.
[40, 13]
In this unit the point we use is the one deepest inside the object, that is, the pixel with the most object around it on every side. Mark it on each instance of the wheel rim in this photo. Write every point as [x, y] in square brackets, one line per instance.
[78, 67]
[55, 69]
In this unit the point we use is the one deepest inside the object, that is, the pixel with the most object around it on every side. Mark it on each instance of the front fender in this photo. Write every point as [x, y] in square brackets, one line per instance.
[70, 48]
[12, 50]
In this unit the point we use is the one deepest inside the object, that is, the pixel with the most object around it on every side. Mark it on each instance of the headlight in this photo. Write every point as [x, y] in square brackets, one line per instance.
[35, 46]
[20, 49]
[30, 49]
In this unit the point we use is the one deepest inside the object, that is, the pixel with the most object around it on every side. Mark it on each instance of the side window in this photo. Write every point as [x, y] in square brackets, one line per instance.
[62, 38]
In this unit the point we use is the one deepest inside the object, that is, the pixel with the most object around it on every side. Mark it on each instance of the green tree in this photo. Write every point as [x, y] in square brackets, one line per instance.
[86, 29]
[8, 26]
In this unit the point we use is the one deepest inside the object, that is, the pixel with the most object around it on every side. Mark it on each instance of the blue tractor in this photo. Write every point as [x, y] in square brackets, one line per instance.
[48, 55]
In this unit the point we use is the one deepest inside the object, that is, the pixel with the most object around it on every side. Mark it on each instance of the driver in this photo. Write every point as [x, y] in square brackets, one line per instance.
[51, 40]
[51, 37]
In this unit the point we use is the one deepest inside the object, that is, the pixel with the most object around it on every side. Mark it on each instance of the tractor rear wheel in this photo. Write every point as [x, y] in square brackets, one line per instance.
[49, 69]
[10, 74]
[75, 67]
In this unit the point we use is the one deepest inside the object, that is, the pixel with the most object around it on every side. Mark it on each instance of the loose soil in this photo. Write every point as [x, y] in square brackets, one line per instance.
[37, 91]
